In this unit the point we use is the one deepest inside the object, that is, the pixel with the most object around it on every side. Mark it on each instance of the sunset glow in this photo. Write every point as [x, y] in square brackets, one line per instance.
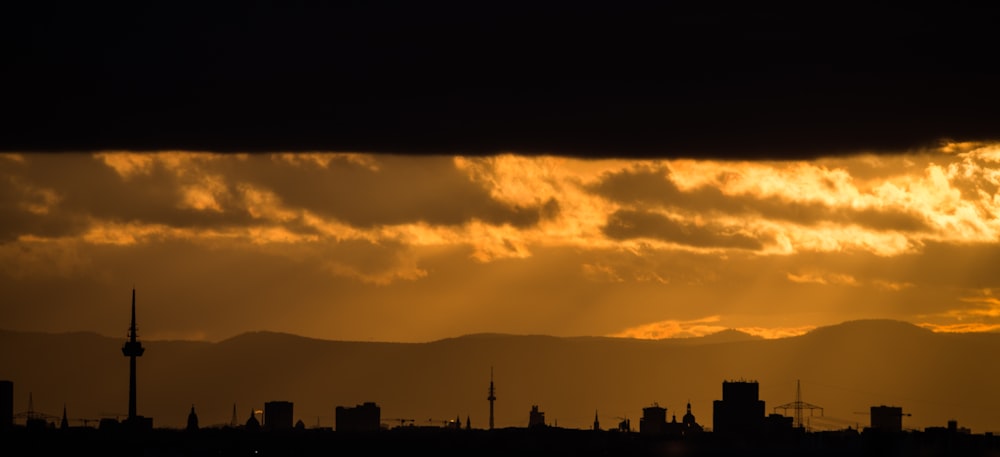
[628, 248]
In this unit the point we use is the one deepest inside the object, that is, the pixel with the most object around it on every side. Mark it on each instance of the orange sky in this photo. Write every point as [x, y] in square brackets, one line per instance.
[365, 247]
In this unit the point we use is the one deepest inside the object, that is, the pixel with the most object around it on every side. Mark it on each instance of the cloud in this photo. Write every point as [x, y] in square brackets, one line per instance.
[673, 329]
[31, 257]
[824, 279]
[799, 194]
[777, 332]
[387, 190]
[625, 224]
[600, 273]
[969, 327]
[979, 312]
[611, 243]
[378, 264]
[703, 327]
[892, 285]
[179, 81]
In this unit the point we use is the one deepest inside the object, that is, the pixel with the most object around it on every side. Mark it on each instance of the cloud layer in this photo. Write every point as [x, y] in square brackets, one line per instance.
[358, 246]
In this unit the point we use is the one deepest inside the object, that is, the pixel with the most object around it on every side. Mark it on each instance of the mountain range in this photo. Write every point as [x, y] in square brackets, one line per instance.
[843, 369]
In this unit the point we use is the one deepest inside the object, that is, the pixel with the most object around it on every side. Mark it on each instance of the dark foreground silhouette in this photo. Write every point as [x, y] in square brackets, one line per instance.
[542, 441]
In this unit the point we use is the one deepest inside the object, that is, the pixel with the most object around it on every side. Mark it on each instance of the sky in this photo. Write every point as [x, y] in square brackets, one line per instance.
[381, 247]
[408, 172]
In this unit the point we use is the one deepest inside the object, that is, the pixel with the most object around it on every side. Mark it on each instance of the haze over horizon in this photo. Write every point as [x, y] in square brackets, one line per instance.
[710, 335]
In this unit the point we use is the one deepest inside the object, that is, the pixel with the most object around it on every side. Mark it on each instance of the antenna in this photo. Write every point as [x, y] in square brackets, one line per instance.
[492, 397]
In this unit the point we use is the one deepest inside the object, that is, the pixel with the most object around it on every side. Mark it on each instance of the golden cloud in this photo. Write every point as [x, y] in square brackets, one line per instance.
[673, 329]
[777, 332]
[837, 279]
[703, 327]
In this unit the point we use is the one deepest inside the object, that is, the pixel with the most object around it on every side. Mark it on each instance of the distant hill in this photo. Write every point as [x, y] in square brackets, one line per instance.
[724, 336]
[844, 368]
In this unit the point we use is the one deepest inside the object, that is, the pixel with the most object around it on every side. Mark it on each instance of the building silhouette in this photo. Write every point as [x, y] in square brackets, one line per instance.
[252, 423]
[536, 418]
[64, 424]
[887, 418]
[133, 349]
[278, 415]
[690, 425]
[597, 423]
[365, 417]
[192, 421]
[740, 410]
[653, 420]
[6, 404]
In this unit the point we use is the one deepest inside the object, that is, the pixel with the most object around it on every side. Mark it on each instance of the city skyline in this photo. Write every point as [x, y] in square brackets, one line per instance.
[568, 377]
[364, 193]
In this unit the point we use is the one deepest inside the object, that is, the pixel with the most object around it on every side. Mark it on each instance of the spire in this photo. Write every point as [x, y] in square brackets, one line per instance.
[252, 423]
[65, 421]
[192, 423]
[131, 329]
[492, 397]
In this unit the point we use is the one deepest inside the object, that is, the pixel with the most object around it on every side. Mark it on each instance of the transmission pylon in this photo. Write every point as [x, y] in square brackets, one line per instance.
[798, 405]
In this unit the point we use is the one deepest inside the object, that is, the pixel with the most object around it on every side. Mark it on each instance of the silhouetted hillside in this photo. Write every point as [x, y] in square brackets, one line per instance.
[724, 336]
[844, 368]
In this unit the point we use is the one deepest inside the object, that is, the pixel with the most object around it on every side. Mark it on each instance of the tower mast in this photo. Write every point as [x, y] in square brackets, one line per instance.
[132, 349]
[798, 403]
[491, 398]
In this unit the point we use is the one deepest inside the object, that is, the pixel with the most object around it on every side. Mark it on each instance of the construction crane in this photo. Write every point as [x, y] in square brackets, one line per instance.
[798, 405]
[85, 420]
[446, 423]
[117, 416]
[625, 425]
[401, 421]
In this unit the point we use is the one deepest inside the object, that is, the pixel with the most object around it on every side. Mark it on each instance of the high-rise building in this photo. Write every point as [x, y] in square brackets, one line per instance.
[653, 420]
[887, 418]
[278, 415]
[6, 404]
[740, 410]
[361, 418]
